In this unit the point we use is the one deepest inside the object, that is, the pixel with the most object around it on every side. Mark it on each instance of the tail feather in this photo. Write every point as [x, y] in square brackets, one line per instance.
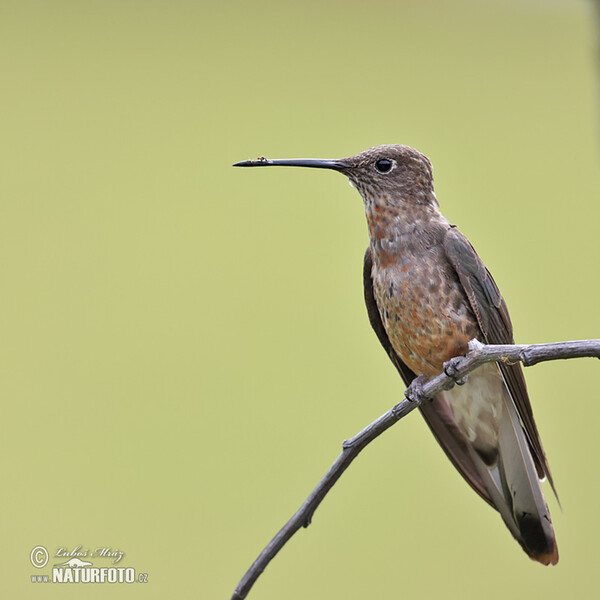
[479, 428]
[523, 489]
[515, 490]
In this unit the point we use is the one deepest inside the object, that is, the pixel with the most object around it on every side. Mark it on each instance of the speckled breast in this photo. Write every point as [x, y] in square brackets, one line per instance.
[423, 307]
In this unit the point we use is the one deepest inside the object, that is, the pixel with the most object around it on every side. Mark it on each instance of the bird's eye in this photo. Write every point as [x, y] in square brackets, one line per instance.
[383, 165]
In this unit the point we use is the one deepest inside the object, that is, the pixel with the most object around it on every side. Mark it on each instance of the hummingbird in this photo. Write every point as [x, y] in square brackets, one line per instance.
[428, 294]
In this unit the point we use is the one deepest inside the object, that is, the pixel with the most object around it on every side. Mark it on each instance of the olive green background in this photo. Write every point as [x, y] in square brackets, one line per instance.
[184, 345]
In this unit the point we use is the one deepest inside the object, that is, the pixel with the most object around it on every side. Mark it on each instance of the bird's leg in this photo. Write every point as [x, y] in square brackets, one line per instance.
[451, 368]
[414, 392]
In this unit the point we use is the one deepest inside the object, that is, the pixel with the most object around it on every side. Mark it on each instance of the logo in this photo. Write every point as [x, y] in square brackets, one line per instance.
[105, 567]
[75, 562]
[39, 557]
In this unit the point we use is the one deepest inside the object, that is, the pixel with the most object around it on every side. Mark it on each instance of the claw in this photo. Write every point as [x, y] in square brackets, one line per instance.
[451, 369]
[414, 392]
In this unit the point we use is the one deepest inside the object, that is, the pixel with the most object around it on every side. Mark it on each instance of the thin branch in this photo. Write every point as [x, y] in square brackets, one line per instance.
[458, 369]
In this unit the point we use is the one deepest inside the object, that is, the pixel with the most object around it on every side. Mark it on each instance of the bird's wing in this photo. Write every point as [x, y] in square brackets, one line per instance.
[436, 412]
[492, 316]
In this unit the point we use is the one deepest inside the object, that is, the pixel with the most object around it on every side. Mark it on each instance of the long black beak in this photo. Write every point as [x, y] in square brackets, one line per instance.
[315, 163]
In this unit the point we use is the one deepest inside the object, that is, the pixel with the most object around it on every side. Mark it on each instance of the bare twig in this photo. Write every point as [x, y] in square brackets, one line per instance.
[460, 367]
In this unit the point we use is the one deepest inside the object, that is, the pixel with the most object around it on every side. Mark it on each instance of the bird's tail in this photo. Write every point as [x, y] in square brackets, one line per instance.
[514, 489]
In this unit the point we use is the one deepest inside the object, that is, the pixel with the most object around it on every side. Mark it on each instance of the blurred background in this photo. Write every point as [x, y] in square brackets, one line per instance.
[185, 346]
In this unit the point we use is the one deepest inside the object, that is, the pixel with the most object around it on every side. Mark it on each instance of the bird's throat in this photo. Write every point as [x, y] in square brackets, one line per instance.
[396, 228]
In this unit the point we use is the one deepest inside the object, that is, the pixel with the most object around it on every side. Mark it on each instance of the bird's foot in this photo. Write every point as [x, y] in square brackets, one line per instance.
[451, 368]
[414, 392]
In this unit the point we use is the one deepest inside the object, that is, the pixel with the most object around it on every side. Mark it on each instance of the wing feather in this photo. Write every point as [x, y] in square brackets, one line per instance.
[493, 319]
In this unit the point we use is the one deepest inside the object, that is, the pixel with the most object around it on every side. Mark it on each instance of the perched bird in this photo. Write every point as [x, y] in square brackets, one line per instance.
[428, 294]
